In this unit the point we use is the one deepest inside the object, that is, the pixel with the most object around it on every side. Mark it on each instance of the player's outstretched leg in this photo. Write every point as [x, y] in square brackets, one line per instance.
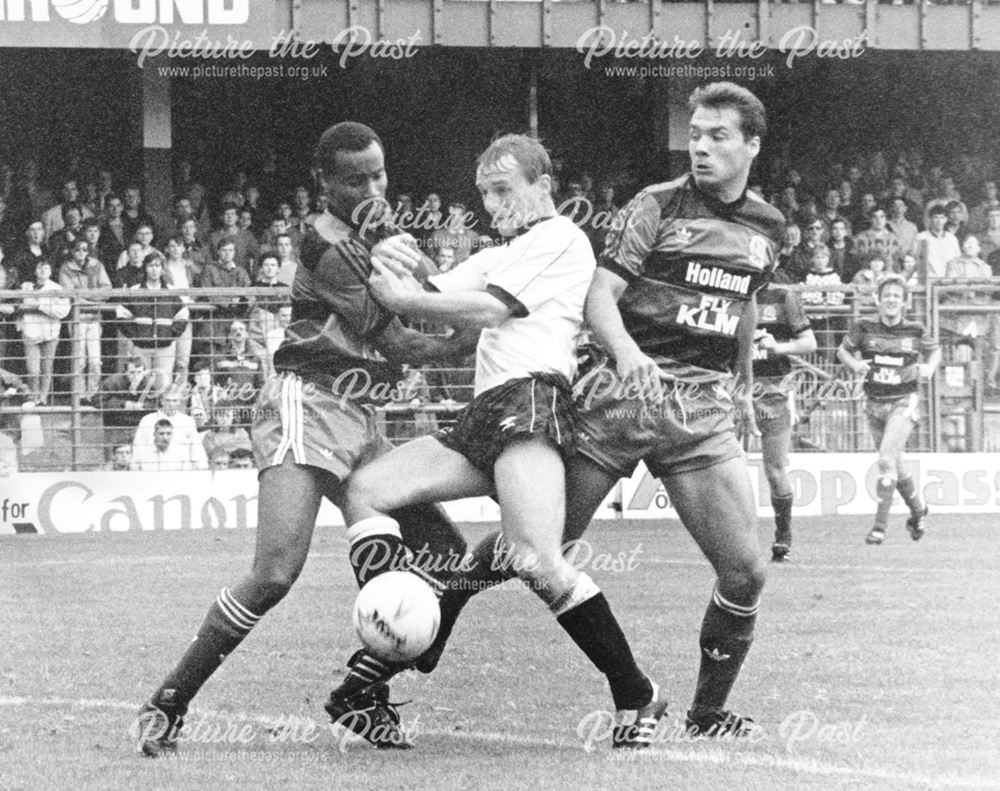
[360, 701]
[485, 567]
[587, 484]
[367, 674]
[530, 486]
[716, 506]
[383, 487]
[283, 537]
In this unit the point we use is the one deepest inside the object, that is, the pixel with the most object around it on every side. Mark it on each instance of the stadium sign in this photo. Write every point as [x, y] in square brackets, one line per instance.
[113, 23]
[137, 502]
[844, 483]
[121, 502]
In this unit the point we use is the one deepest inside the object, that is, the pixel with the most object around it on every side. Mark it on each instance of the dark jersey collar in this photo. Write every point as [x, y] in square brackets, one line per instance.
[530, 225]
[716, 205]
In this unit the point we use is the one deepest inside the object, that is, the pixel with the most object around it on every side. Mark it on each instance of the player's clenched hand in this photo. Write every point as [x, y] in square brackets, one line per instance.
[764, 340]
[640, 372]
[398, 253]
[389, 288]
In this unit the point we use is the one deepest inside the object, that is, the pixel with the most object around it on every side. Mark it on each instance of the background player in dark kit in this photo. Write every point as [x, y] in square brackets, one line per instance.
[886, 350]
[782, 330]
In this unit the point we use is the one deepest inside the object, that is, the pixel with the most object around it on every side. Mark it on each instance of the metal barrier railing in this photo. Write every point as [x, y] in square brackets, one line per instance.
[72, 356]
[965, 315]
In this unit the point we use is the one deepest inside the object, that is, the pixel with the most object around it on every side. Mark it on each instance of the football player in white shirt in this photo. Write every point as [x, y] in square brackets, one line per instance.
[527, 296]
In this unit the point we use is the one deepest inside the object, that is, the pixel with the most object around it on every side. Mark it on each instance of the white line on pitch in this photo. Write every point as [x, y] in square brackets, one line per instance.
[656, 754]
[788, 568]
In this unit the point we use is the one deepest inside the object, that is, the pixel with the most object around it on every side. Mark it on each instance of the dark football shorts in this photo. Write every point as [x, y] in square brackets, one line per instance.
[773, 413]
[319, 428]
[878, 411]
[691, 429]
[539, 405]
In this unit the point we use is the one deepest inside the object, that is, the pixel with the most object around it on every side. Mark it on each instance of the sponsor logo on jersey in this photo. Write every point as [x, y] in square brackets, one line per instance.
[906, 344]
[711, 314]
[759, 252]
[717, 277]
[508, 423]
[885, 359]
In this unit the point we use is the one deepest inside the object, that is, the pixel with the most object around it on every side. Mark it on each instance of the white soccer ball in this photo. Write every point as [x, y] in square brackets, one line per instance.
[397, 616]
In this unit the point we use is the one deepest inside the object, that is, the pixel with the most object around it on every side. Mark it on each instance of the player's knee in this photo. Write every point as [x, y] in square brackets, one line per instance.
[365, 492]
[271, 585]
[776, 477]
[886, 464]
[533, 565]
[745, 582]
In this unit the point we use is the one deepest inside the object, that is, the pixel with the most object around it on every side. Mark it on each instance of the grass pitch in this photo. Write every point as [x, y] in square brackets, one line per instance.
[873, 668]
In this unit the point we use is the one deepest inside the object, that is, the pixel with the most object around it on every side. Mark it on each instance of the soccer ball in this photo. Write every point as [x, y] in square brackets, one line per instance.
[397, 616]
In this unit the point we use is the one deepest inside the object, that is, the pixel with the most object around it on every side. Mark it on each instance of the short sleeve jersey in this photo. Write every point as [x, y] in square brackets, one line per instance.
[543, 276]
[335, 319]
[780, 313]
[893, 354]
[692, 265]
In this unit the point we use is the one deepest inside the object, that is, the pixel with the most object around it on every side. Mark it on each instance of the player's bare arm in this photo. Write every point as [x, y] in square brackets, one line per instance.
[401, 344]
[744, 370]
[605, 320]
[855, 364]
[928, 368]
[803, 343]
[406, 296]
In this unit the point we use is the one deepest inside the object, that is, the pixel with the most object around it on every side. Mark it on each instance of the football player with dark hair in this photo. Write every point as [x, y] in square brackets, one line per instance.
[672, 304]
[313, 426]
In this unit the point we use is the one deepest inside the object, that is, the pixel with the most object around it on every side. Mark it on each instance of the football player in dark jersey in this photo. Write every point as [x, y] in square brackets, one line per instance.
[782, 330]
[887, 351]
[313, 426]
[672, 304]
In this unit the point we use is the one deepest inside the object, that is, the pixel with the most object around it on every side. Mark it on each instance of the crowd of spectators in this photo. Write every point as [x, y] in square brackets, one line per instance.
[857, 222]
[848, 224]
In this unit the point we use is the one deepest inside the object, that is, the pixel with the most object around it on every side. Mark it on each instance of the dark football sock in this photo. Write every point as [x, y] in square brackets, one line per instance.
[726, 635]
[782, 518]
[908, 491]
[365, 670]
[438, 547]
[224, 628]
[882, 513]
[586, 616]
[483, 569]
